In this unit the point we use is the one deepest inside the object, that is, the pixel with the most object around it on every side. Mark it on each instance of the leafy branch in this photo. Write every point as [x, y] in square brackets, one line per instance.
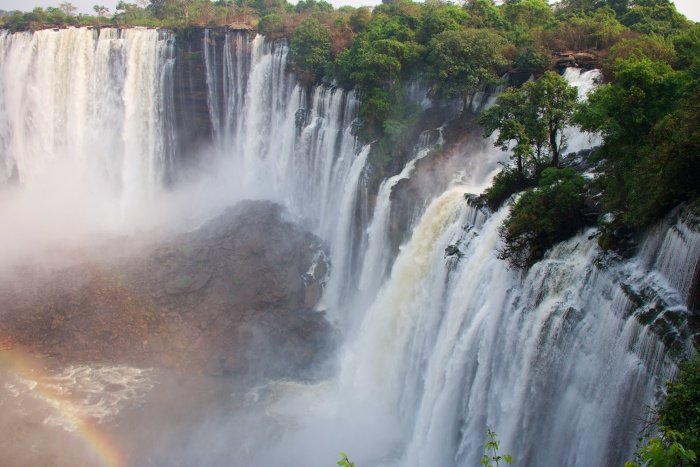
[344, 461]
[491, 446]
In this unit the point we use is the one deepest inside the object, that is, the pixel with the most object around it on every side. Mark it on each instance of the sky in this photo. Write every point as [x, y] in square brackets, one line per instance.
[690, 8]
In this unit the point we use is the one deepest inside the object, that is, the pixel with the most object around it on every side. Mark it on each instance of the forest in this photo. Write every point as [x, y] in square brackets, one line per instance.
[646, 108]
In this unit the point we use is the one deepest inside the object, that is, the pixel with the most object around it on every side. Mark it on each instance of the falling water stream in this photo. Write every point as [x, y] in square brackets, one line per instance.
[437, 349]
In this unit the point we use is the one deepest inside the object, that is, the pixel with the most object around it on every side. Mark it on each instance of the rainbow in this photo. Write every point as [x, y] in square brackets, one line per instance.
[19, 363]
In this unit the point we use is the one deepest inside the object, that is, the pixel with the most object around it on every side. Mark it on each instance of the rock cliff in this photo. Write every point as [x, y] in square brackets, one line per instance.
[232, 297]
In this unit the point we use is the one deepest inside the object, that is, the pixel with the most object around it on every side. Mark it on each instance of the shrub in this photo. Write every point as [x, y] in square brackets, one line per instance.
[544, 216]
[505, 184]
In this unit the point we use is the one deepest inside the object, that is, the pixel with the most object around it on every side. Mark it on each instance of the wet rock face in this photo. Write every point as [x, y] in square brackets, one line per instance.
[233, 297]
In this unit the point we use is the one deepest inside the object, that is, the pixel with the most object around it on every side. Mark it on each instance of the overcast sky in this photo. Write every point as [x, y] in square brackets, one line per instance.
[690, 8]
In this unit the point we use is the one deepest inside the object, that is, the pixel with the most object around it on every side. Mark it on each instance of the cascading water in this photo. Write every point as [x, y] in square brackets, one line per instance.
[584, 82]
[86, 128]
[377, 255]
[294, 148]
[551, 361]
[96, 103]
[559, 360]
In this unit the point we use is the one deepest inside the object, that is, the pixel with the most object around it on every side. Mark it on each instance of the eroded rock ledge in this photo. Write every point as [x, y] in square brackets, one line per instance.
[233, 297]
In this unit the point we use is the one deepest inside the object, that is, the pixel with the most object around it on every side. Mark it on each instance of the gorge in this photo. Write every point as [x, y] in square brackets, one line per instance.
[122, 147]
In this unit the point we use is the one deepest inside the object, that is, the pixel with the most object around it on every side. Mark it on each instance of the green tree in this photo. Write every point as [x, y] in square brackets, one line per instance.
[528, 13]
[517, 120]
[305, 6]
[270, 26]
[654, 17]
[581, 5]
[162, 9]
[686, 44]
[534, 117]
[485, 14]
[462, 61]
[625, 112]
[681, 410]
[533, 60]
[555, 100]
[597, 30]
[101, 10]
[544, 216]
[310, 50]
[129, 14]
[359, 19]
[619, 6]
[668, 168]
[441, 17]
[68, 8]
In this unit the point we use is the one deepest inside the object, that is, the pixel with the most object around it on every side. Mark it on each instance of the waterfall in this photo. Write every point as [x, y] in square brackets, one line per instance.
[377, 255]
[293, 147]
[559, 360]
[551, 361]
[556, 360]
[584, 82]
[95, 104]
[86, 131]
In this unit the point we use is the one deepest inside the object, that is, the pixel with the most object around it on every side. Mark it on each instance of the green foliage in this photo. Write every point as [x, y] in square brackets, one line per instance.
[374, 109]
[533, 60]
[534, 117]
[506, 183]
[527, 13]
[485, 14]
[461, 61]
[668, 167]
[268, 7]
[397, 133]
[642, 123]
[359, 19]
[680, 412]
[619, 6]
[678, 422]
[544, 216]
[270, 25]
[344, 462]
[310, 50]
[517, 120]
[441, 17]
[664, 452]
[654, 17]
[687, 47]
[654, 48]
[492, 445]
[597, 30]
[303, 6]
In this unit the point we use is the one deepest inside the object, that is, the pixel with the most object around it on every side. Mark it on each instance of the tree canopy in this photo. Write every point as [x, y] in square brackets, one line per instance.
[534, 117]
[461, 61]
[310, 50]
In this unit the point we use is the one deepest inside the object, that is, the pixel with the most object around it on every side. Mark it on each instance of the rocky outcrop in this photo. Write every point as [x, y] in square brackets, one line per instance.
[233, 297]
[585, 60]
